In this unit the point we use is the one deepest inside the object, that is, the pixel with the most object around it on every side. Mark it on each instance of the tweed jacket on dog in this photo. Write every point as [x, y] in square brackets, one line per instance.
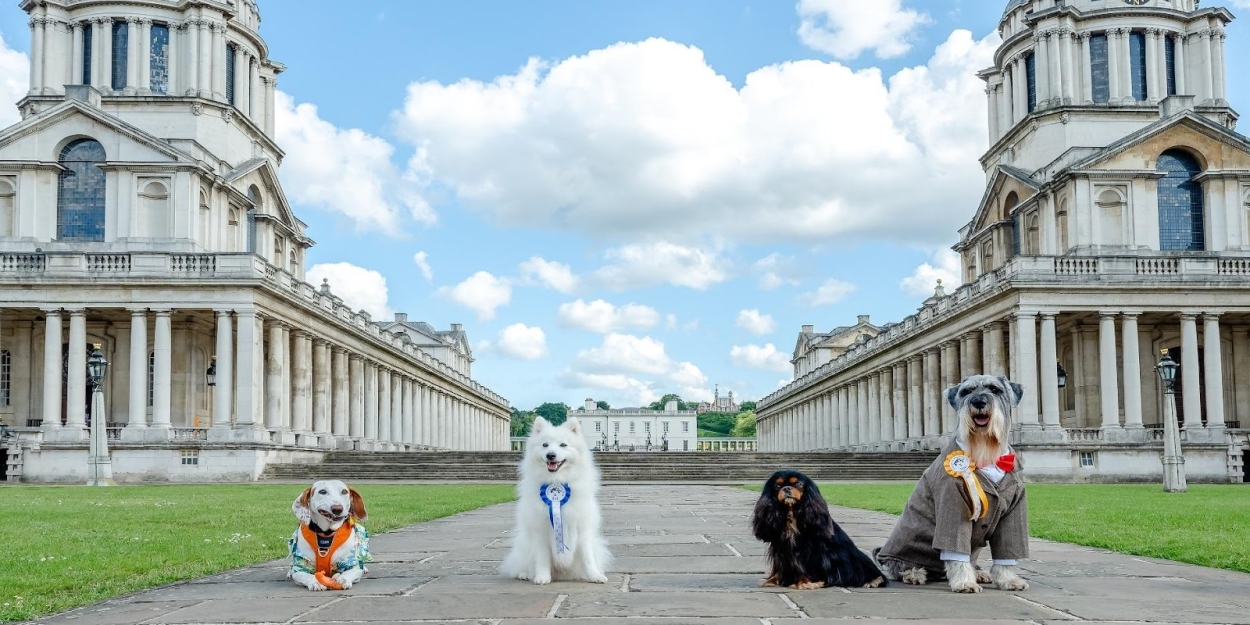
[936, 519]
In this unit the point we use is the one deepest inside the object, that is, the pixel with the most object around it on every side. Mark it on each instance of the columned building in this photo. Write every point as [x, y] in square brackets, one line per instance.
[141, 211]
[1115, 226]
[638, 429]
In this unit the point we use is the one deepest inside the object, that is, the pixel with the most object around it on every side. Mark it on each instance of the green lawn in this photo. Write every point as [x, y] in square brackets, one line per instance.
[71, 546]
[1209, 525]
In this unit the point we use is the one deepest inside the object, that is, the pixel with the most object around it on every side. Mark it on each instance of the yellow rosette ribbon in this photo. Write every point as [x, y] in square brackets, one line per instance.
[960, 466]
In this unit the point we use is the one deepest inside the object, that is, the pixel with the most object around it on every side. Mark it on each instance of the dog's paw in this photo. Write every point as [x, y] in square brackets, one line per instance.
[771, 581]
[916, 577]
[598, 578]
[1006, 579]
[876, 583]
[542, 579]
[983, 577]
[343, 580]
[315, 586]
[808, 585]
[967, 587]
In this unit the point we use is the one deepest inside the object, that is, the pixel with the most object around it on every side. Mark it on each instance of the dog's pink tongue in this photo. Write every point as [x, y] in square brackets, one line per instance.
[553, 466]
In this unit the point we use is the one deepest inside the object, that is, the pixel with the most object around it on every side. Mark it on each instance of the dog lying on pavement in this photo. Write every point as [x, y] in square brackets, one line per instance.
[330, 547]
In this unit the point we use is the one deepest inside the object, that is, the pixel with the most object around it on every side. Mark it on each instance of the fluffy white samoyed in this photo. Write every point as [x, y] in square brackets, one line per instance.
[557, 514]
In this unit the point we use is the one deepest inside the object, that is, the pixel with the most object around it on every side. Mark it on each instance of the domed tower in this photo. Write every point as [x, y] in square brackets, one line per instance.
[1097, 109]
[148, 127]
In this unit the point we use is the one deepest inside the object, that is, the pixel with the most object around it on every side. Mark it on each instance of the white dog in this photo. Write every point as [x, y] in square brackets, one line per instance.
[557, 526]
[330, 548]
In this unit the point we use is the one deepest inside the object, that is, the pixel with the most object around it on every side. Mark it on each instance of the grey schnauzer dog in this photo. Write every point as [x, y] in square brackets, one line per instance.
[970, 497]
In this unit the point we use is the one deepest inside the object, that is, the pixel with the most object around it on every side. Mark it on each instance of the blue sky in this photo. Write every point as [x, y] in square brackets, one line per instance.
[624, 199]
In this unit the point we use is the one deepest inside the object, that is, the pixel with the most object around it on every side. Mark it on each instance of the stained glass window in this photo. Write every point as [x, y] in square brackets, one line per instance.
[1169, 53]
[230, 73]
[121, 47]
[1100, 70]
[1030, 68]
[87, 36]
[80, 192]
[1180, 203]
[1137, 65]
[160, 58]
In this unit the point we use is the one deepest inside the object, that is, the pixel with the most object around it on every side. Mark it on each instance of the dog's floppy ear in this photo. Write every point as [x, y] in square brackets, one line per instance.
[539, 425]
[769, 519]
[573, 425]
[358, 506]
[300, 507]
[1017, 391]
[952, 393]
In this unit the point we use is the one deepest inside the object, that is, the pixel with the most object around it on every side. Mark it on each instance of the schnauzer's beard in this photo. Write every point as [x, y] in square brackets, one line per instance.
[985, 443]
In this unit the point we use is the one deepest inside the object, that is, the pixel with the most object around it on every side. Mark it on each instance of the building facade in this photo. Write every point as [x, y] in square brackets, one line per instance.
[638, 429]
[1115, 225]
[141, 211]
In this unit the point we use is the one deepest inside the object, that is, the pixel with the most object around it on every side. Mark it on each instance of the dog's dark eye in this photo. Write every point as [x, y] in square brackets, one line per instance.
[321, 492]
[997, 391]
[343, 493]
[564, 444]
[544, 444]
[964, 393]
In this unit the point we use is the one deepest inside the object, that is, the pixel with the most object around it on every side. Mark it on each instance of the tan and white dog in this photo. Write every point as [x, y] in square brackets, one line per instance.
[330, 547]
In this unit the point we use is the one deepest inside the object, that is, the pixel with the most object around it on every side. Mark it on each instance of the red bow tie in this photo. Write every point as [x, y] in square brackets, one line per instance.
[1006, 463]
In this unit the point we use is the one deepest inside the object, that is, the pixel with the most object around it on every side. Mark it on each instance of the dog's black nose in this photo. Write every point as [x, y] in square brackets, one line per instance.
[551, 455]
[336, 510]
[979, 402]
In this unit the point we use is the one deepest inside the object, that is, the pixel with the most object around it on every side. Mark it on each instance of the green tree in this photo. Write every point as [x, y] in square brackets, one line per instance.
[602, 405]
[719, 422]
[744, 425]
[554, 413]
[659, 405]
[521, 422]
[747, 406]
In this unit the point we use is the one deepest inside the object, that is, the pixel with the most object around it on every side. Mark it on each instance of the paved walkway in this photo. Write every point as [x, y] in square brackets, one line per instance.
[684, 554]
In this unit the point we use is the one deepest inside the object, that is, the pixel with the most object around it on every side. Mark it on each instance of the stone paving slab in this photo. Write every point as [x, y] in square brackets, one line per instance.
[677, 563]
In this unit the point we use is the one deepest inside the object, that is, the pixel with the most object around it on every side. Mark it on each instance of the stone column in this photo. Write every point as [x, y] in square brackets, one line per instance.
[1154, 91]
[162, 372]
[357, 390]
[204, 84]
[302, 390]
[998, 357]
[949, 378]
[322, 394]
[932, 393]
[397, 390]
[370, 371]
[384, 406]
[407, 436]
[1041, 67]
[76, 371]
[1026, 342]
[52, 356]
[1217, 70]
[1087, 82]
[969, 364]
[37, 61]
[145, 55]
[991, 98]
[899, 375]
[76, 57]
[341, 396]
[218, 83]
[1109, 383]
[1069, 73]
[223, 393]
[915, 397]
[194, 57]
[885, 386]
[840, 423]
[852, 414]
[241, 80]
[1190, 398]
[275, 390]
[436, 418]
[1007, 99]
[138, 400]
[425, 416]
[256, 106]
[132, 55]
[173, 69]
[1214, 372]
[1178, 60]
[873, 432]
[1132, 371]
[1113, 65]
[1241, 368]
[1049, 390]
[270, 86]
[1206, 81]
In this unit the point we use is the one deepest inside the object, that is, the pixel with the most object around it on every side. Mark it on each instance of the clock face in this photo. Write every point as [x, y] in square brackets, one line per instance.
[1136, 2]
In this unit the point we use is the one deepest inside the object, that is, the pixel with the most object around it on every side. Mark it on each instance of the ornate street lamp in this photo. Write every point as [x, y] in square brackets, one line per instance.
[211, 374]
[1173, 456]
[99, 463]
[1063, 375]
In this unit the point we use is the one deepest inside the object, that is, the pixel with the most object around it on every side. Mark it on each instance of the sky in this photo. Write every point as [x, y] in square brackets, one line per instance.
[627, 198]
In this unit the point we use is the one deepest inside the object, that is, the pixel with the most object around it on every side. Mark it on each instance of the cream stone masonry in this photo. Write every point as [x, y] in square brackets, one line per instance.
[638, 429]
[141, 210]
[1115, 225]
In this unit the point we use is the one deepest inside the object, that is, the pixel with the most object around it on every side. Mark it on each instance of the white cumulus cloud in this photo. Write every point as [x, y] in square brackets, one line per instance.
[14, 82]
[846, 28]
[831, 292]
[646, 139]
[422, 260]
[760, 357]
[604, 317]
[555, 276]
[776, 271]
[943, 266]
[360, 288]
[481, 292]
[633, 362]
[646, 264]
[756, 323]
[521, 342]
[345, 171]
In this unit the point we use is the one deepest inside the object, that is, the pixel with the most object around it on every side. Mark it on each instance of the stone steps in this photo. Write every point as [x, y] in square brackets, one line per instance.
[613, 466]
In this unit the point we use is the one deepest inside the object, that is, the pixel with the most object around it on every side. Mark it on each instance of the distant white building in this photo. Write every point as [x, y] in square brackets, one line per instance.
[638, 429]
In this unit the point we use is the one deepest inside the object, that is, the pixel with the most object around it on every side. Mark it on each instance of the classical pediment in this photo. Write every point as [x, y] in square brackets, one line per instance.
[993, 207]
[263, 174]
[1221, 149]
[40, 137]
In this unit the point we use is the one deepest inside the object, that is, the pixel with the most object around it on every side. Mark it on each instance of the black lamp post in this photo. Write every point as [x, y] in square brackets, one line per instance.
[1173, 458]
[98, 459]
[211, 374]
[1063, 375]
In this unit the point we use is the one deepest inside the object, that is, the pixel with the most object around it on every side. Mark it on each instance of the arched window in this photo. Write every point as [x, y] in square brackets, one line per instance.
[987, 256]
[232, 230]
[159, 63]
[1034, 235]
[1061, 226]
[293, 267]
[1111, 216]
[278, 256]
[154, 198]
[8, 209]
[1180, 203]
[80, 192]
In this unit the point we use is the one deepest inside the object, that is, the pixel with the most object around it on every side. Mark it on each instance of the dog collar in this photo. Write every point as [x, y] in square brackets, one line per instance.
[555, 496]
[960, 465]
